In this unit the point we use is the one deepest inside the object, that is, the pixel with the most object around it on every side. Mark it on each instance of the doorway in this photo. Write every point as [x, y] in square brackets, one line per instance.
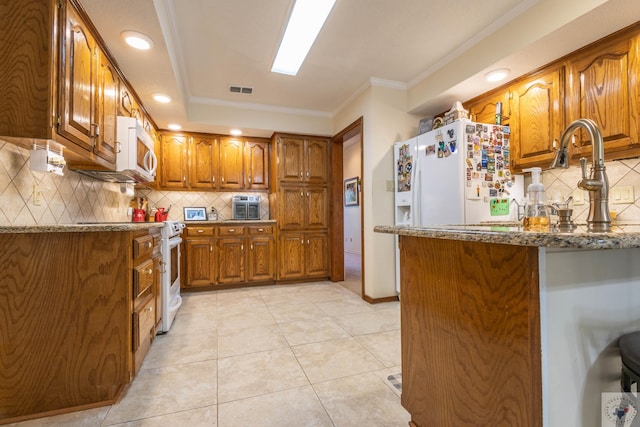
[347, 250]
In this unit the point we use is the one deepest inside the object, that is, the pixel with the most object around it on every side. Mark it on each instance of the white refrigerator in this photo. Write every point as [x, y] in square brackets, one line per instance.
[456, 174]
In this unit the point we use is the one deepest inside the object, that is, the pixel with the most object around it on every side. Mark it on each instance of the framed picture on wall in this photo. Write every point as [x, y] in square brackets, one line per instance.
[351, 196]
[195, 214]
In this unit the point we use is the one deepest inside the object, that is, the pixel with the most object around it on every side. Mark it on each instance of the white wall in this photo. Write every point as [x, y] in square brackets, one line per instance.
[352, 155]
[385, 122]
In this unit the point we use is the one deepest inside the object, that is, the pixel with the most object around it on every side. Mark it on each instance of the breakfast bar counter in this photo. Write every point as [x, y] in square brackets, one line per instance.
[502, 326]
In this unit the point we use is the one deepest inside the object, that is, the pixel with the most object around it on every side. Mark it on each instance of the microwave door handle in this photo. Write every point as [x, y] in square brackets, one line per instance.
[150, 162]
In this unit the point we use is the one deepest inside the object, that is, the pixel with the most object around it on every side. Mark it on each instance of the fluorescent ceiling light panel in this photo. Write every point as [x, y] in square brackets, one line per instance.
[305, 22]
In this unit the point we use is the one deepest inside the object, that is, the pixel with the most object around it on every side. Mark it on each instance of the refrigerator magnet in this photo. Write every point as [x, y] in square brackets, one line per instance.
[447, 151]
[430, 150]
[452, 146]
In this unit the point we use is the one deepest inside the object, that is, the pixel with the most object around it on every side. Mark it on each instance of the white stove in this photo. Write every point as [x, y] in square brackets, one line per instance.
[170, 286]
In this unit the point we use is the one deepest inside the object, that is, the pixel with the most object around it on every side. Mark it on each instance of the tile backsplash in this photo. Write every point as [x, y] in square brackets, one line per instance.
[76, 198]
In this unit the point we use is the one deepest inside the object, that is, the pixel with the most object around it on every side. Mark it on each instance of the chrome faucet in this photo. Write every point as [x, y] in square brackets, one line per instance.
[597, 185]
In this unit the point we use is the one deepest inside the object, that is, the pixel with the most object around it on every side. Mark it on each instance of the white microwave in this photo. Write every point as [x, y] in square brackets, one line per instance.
[135, 157]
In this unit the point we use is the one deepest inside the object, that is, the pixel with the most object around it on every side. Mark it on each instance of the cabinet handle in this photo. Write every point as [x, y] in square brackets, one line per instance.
[260, 230]
[232, 230]
[200, 231]
[300, 174]
[307, 194]
[213, 179]
[148, 309]
[307, 241]
[150, 271]
[222, 178]
[302, 241]
[149, 245]
[242, 247]
[302, 194]
[210, 248]
[184, 178]
[307, 174]
[252, 246]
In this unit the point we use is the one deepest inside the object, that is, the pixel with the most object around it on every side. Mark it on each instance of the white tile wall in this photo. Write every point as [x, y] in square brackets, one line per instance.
[77, 198]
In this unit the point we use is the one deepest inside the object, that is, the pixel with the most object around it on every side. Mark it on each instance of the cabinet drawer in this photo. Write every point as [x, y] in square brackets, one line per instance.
[200, 231]
[144, 320]
[143, 280]
[262, 230]
[143, 247]
[230, 230]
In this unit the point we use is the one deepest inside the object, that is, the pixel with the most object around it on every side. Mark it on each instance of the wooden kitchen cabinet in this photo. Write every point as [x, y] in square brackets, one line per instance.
[261, 257]
[483, 108]
[203, 162]
[602, 85]
[108, 88]
[231, 164]
[302, 159]
[200, 256]
[537, 119]
[174, 167]
[303, 207]
[303, 255]
[256, 158]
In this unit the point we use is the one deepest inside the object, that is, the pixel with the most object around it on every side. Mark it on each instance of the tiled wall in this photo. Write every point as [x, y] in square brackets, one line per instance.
[76, 198]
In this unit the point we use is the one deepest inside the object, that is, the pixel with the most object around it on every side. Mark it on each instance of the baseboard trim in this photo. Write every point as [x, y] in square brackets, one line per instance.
[370, 300]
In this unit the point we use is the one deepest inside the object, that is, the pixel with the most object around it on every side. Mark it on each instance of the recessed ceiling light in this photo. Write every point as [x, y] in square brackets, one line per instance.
[305, 22]
[497, 75]
[174, 126]
[137, 40]
[161, 97]
[235, 132]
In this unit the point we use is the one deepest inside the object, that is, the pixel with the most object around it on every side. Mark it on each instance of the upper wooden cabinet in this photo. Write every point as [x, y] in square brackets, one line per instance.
[231, 163]
[303, 159]
[537, 119]
[204, 163]
[602, 85]
[173, 162]
[483, 109]
[59, 82]
[213, 162]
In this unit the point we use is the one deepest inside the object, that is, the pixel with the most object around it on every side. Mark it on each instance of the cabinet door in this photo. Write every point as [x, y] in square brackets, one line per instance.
[292, 202]
[203, 163]
[260, 259]
[316, 255]
[200, 262]
[231, 260]
[173, 167]
[78, 81]
[483, 110]
[291, 260]
[537, 120]
[107, 94]
[231, 164]
[604, 87]
[316, 159]
[290, 159]
[316, 208]
[127, 106]
[256, 156]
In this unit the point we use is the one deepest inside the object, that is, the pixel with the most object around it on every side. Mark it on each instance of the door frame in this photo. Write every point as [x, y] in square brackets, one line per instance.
[337, 206]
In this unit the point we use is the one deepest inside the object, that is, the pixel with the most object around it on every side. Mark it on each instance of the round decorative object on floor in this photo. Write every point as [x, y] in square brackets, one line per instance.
[630, 355]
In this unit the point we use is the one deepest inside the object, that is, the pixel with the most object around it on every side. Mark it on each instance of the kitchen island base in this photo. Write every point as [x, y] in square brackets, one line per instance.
[500, 334]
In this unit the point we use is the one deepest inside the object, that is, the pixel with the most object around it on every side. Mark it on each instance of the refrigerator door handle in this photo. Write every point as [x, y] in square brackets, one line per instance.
[416, 215]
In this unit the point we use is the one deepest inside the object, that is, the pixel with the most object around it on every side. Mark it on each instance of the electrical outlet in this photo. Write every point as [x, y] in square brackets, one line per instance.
[578, 197]
[622, 195]
[36, 198]
[390, 186]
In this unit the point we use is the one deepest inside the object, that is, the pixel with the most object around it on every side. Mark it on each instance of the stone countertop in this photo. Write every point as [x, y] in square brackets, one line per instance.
[621, 235]
[80, 228]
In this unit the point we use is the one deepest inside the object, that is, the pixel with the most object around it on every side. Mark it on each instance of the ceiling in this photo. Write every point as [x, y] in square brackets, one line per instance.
[436, 50]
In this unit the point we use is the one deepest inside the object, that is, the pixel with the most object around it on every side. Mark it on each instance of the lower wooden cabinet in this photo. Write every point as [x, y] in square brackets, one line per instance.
[229, 254]
[303, 255]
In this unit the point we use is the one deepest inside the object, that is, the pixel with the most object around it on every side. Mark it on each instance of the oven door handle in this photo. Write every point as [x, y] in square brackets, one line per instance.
[173, 242]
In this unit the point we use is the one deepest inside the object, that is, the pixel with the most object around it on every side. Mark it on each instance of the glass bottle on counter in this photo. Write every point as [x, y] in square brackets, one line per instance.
[536, 216]
[213, 215]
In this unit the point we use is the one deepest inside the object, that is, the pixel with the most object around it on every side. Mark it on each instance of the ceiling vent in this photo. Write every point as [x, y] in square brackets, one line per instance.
[240, 89]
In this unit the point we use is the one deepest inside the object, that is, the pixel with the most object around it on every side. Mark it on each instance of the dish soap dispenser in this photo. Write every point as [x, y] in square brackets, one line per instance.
[536, 217]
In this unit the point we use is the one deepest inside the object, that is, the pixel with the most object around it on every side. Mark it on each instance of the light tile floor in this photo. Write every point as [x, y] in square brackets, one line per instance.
[310, 354]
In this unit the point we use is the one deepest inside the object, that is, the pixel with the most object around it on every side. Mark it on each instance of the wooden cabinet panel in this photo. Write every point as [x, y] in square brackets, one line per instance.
[200, 262]
[204, 164]
[291, 255]
[538, 119]
[174, 162]
[107, 93]
[317, 254]
[231, 164]
[604, 87]
[317, 208]
[256, 157]
[316, 161]
[290, 159]
[291, 201]
[143, 331]
[483, 110]
[261, 259]
[197, 231]
[231, 258]
[77, 100]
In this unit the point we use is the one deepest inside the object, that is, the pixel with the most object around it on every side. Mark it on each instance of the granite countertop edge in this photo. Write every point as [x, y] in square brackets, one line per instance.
[619, 238]
[80, 228]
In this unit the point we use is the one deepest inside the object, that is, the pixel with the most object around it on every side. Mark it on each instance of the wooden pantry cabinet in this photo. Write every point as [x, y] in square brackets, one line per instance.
[221, 254]
[58, 83]
[302, 208]
[203, 162]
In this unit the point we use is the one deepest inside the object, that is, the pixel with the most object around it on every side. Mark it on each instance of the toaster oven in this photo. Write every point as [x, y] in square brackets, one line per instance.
[245, 207]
